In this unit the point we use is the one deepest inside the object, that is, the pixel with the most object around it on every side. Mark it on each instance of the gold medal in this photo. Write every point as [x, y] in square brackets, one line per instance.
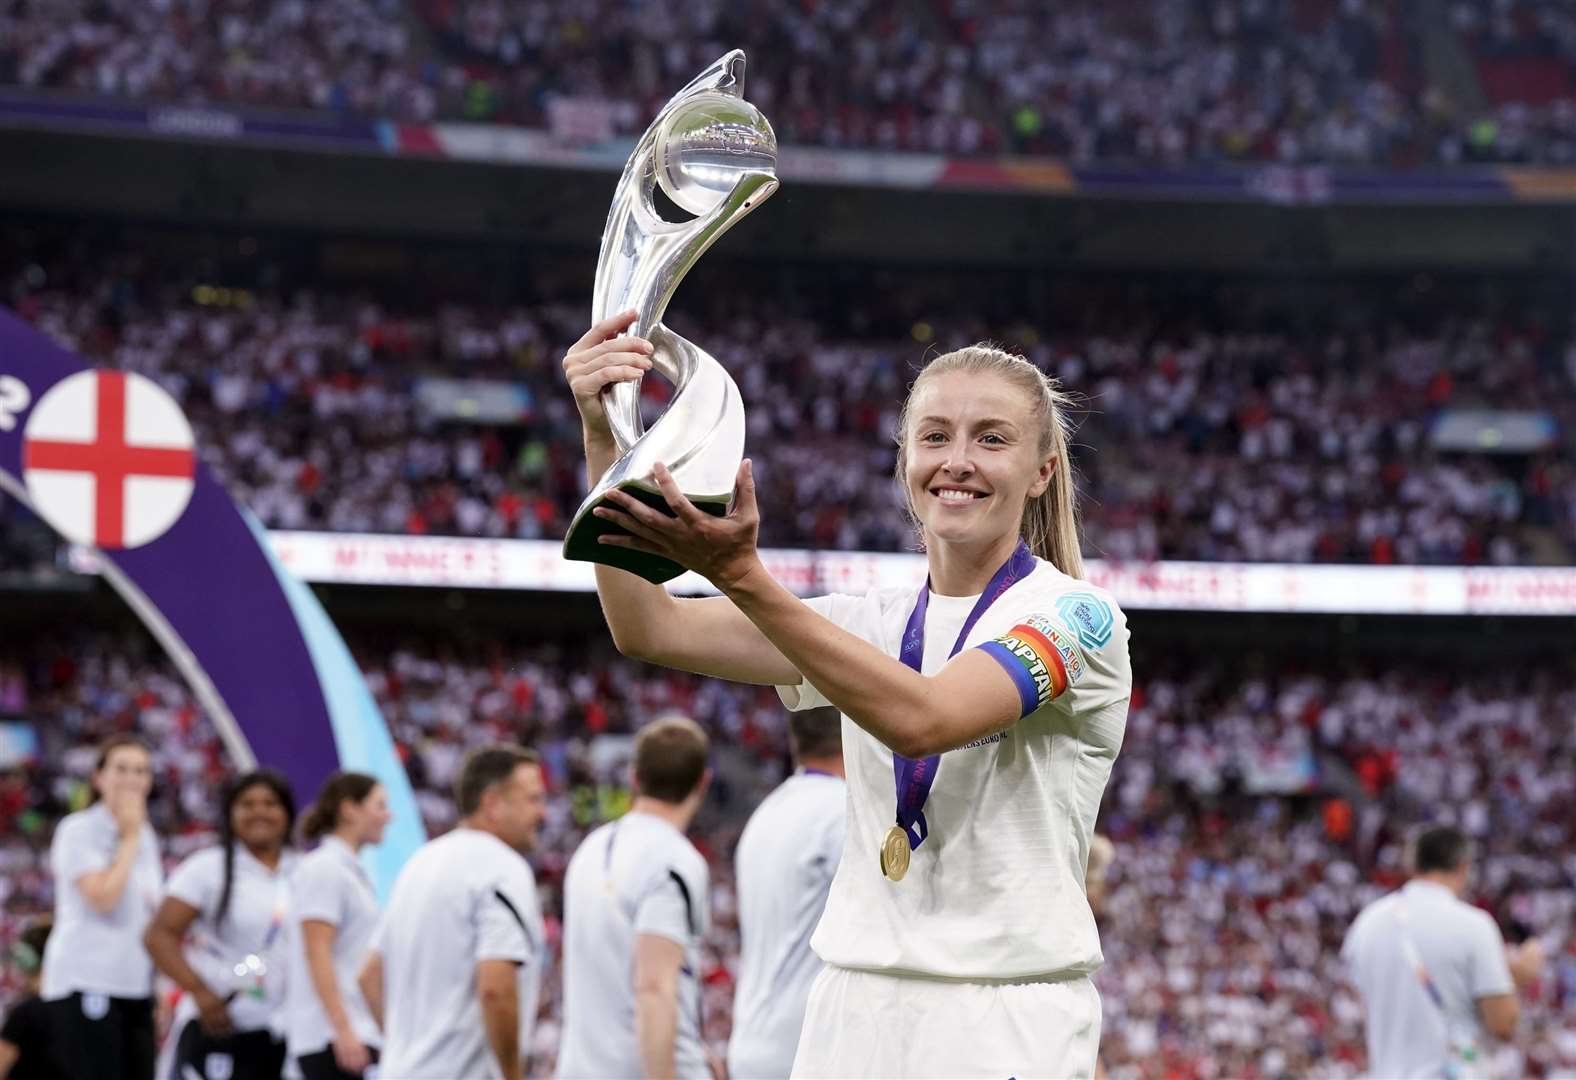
[894, 853]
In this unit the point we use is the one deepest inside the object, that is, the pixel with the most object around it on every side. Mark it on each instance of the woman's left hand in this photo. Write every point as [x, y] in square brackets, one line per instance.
[719, 549]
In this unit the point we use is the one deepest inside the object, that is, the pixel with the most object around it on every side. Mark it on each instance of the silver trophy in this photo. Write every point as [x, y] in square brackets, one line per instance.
[715, 156]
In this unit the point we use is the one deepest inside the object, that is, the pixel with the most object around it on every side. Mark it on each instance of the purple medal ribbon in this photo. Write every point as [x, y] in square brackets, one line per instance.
[914, 776]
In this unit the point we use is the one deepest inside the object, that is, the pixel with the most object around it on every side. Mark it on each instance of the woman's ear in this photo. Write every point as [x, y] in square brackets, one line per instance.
[1043, 479]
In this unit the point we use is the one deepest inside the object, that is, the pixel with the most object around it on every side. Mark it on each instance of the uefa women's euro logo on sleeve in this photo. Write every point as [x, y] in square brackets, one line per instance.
[1042, 658]
[1089, 617]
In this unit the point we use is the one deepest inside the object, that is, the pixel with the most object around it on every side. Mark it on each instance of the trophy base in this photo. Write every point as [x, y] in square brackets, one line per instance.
[582, 545]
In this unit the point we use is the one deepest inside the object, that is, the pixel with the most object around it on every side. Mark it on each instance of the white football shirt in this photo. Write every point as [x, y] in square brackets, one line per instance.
[783, 869]
[997, 890]
[245, 956]
[91, 952]
[461, 899]
[1461, 948]
[636, 875]
[331, 886]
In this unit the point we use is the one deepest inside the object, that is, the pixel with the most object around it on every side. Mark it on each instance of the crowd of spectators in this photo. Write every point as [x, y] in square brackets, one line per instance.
[1206, 433]
[1233, 883]
[1166, 82]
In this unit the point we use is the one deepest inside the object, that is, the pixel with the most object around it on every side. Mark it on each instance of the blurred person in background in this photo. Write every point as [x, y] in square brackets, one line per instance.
[229, 904]
[977, 961]
[454, 972]
[1433, 970]
[27, 1043]
[97, 975]
[328, 1029]
[783, 869]
[635, 896]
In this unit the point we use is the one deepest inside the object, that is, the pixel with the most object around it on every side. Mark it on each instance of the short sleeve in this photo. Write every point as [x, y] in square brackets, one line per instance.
[316, 894]
[196, 880]
[74, 852]
[842, 609]
[673, 907]
[502, 932]
[1489, 972]
[1071, 649]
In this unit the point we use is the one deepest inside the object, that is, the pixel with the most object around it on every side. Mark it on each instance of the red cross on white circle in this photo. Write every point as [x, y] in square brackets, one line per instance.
[108, 459]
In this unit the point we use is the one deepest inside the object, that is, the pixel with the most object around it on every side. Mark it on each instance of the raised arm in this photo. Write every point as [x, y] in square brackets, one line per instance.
[707, 635]
[913, 714]
[102, 889]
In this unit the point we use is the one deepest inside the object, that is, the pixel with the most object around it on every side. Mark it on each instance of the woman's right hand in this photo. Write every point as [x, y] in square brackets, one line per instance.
[213, 1014]
[130, 810]
[350, 1054]
[600, 359]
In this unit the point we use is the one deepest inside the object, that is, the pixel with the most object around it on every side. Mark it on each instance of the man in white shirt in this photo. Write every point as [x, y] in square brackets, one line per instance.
[1432, 970]
[455, 968]
[634, 915]
[783, 869]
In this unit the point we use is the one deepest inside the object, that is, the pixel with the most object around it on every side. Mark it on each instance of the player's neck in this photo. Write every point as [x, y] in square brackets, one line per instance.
[476, 822]
[679, 815]
[1447, 879]
[347, 835]
[963, 569]
[832, 766]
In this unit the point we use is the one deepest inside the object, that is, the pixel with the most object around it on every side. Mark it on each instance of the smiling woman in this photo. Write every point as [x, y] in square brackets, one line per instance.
[229, 903]
[983, 709]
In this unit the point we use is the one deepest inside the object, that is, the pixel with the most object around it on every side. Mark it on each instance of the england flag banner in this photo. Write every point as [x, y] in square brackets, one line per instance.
[108, 460]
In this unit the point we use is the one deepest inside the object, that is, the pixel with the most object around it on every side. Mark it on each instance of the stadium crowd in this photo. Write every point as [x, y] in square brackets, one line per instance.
[1225, 434]
[1156, 81]
[1235, 879]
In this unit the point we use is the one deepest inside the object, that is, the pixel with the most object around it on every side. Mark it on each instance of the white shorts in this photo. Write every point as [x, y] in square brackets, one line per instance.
[870, 1024]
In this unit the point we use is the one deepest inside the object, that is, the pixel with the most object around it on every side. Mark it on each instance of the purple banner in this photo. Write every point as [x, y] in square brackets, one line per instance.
[204, 585]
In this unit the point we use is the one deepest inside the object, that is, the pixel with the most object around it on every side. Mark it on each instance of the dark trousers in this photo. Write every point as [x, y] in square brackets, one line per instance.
[321, 1066]
[108, 1038]
[246, 1055]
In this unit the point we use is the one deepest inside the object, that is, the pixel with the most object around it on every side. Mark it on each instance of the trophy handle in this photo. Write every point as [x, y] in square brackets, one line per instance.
[700, 438]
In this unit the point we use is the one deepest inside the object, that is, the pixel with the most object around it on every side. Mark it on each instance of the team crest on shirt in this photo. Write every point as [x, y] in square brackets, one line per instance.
[1089, 617]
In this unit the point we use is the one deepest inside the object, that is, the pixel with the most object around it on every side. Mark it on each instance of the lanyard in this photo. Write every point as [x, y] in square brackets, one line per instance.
[913, 778]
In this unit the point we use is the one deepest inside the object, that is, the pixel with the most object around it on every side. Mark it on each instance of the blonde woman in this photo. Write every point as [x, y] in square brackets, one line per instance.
[983, 708]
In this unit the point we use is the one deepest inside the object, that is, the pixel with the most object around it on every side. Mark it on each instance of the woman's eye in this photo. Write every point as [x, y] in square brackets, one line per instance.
[932, 437]
[992, 438]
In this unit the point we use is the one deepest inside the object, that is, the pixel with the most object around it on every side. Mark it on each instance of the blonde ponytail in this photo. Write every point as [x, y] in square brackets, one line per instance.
[1050, 520]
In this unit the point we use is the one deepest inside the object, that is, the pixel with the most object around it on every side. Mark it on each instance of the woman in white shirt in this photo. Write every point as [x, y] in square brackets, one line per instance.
[328, 1028]
[957, 936]
[97, 976]
[230, 903]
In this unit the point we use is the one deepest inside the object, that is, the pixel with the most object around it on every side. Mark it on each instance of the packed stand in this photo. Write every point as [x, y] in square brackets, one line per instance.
[1207, 433]
[1523, 55]
[1228, 904]
[1163, 82]
[1235, 877]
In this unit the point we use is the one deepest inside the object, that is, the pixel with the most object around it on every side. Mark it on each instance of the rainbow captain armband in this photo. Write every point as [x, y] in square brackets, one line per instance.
[1042, 658]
